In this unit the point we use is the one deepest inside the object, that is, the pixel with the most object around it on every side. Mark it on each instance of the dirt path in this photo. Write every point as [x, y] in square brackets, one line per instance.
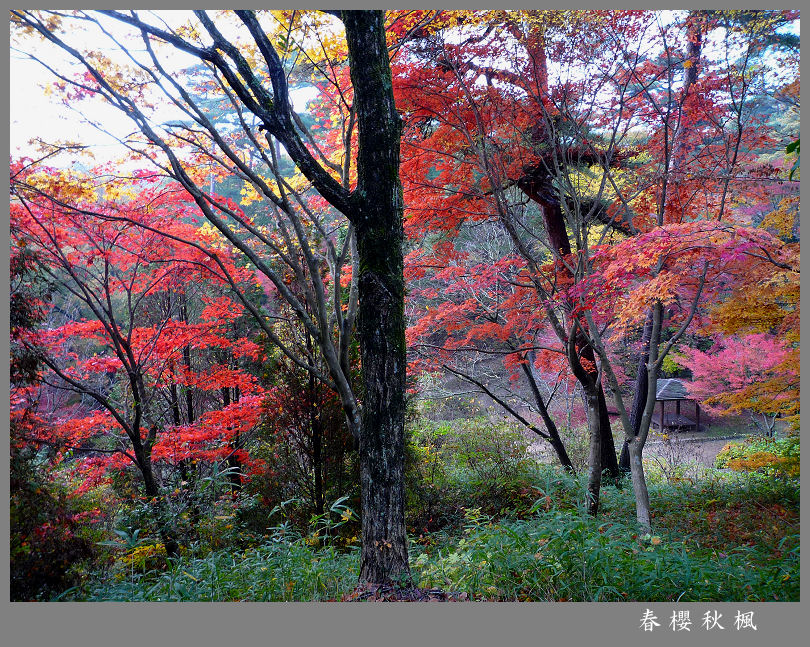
[678, 449]
[702, 450]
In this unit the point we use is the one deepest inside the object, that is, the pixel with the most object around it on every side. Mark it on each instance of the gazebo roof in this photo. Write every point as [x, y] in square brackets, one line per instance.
[672, 389]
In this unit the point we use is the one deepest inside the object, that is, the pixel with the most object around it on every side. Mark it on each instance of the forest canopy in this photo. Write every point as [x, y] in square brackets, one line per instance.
[333, 271]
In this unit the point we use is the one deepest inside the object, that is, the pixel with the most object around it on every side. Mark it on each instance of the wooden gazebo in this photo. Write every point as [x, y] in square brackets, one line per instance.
[674, 390]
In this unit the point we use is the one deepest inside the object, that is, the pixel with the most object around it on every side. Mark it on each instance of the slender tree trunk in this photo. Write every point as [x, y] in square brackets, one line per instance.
[317, 459]
[594, 433]
[554, 223]
[234, 464]
[381, 309]
[187, 362]
[639, 485]
[594, 454]
[316, 434]
[555, 441]
[551, 427]
[636, 444]
[188, 468]
[165, 525]
[639, 391]
[175, 404]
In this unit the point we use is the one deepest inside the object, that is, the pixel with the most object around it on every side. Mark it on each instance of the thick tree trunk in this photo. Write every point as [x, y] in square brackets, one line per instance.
[381, 322]
[381, 311]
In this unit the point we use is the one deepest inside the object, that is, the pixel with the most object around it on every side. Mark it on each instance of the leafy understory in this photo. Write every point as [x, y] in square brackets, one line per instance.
[729, 538]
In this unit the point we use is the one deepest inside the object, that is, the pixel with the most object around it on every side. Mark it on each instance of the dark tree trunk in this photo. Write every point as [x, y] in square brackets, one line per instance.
[594, 434]
[187, 467]
[554, 439]
[554, 223]
[639, 391]
[562, 455]
[607, 447]
[317, 459]
[378, 217]
[175, 404]
[234, 464]
[164, 523]
[187, 362]
[381, 324]
[551, 427]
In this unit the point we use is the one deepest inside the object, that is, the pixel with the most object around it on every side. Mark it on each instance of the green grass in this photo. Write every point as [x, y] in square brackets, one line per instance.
[282, 570]
[729, 537]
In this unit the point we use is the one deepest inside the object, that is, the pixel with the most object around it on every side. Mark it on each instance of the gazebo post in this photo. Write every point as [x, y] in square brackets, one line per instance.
[662, 415]
[678, 408]
[697, 414]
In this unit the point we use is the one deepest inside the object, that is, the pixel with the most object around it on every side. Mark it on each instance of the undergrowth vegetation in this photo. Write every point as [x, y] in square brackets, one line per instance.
[766, 455]
[488, 520]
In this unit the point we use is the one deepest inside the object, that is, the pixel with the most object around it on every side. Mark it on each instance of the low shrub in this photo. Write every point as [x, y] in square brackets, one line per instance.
[765, 455]
[51, 534]
[286, 566]
[479, 462]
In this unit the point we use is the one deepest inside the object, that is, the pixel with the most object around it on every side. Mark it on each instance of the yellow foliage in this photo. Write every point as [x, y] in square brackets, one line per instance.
[119, 192]
[144, 556]
[784, 218]
[761, 460]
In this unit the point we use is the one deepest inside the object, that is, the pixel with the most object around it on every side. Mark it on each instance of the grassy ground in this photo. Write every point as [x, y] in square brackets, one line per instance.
[727, 537]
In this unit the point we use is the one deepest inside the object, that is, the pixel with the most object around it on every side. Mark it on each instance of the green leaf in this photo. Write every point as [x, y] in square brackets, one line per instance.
[793, 147]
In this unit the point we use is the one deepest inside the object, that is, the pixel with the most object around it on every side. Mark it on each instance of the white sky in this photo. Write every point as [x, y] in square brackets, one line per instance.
[37, 116]
[33, 115]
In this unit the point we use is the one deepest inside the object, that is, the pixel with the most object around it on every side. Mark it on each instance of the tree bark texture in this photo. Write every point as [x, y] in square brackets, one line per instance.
[639, 390]
[377, 218]
[594, 454]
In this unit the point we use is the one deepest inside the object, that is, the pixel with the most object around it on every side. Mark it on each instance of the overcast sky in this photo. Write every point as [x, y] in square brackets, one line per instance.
[37, 115]
[34, 114]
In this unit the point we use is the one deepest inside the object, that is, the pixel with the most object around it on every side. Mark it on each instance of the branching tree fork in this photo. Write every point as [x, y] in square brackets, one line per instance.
[373, 207]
